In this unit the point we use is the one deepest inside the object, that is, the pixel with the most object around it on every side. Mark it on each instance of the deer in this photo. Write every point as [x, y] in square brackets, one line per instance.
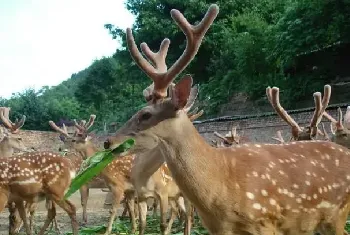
[9, 139]
[26, 176]
[230, 138]
[259, 193]
[72, 150]
[151, 178]
[339, 128]
[116, 175]
[301, 133]
[279, 137]
[9, 142]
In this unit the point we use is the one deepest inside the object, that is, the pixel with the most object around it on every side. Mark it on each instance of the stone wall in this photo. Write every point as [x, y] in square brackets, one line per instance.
[256, 129]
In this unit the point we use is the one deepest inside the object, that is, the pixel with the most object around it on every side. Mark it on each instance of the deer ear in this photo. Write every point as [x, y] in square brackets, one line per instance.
[181, 92]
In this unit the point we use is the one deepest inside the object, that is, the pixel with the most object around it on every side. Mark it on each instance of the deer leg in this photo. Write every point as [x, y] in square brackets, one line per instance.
[189, 211]
[23, 215]
[84, 196]
[117, 196]
[142, 205]
[68, 207]
[15, 222]
[130, 203]
[163, 201]
[174, 210]
[155, 206]
[125, 211]
[51, 214]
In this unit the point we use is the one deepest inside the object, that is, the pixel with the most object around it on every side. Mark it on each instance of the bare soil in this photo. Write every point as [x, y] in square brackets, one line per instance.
[98, 214]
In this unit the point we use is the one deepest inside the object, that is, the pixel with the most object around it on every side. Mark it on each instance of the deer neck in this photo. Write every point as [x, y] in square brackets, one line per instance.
[5, 148]
[88, 150]
[147, 164]
[193, 163]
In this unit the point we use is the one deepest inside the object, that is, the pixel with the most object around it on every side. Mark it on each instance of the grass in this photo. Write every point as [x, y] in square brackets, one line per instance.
[123, 227]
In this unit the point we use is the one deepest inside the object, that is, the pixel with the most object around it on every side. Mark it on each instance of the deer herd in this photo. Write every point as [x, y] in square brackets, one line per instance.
[299, 186]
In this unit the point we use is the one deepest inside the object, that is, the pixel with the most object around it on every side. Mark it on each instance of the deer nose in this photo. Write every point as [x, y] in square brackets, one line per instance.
[107, 144]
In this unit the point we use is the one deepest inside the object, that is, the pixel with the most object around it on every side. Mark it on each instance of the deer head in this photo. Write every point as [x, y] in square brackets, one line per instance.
[5, 119]
[230, 138]
[339, 127]
[279, 137]
[163, 113]
[80, 139]
[301, 133]
[10, 140]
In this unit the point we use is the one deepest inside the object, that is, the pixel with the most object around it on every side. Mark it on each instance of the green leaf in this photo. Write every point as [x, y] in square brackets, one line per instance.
[95, 164]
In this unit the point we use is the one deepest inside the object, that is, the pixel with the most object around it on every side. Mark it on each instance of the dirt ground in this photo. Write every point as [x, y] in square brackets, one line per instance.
[97, 215]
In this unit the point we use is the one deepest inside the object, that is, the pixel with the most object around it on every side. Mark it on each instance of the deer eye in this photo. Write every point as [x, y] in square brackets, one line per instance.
[19, 138]
[145, 116]
[73, 140]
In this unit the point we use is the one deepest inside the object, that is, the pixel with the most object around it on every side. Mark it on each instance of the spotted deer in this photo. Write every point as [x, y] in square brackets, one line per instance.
[26, 176]
[10, 142]
[74, 149]
[116, 175]
[301, 133]
[279, 137]
[152, 178]
[230, 139]
[259, 193]
[340, 127]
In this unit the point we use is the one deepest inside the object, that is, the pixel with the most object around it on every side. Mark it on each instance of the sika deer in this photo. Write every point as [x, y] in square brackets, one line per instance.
[116, 175]
[340, 128]
[151, 178]
[230, 138]
[301, 133]
[9, 139]
[74, 149]
[258, 192]
[24, 177]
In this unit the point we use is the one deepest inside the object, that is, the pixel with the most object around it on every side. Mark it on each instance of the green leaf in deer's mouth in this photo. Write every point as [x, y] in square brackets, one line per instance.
[93, 166]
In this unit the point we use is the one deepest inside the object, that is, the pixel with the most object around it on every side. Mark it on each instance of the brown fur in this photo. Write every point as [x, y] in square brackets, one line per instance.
[26, 176]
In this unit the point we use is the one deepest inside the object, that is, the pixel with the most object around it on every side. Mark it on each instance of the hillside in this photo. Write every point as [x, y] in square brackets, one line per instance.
[296, 45]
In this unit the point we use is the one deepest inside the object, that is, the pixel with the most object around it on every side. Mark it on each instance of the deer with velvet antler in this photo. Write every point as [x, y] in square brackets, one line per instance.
[247, 189]
[116, 176]
[151, 178]
[9, 142]
[31, 176]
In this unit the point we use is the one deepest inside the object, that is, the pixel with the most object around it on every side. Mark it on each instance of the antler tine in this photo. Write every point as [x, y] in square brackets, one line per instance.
[221, 137]
[329, 117]
[193, 96]
[325, 133]
[347, 118]
[59, 130]
[4, 116]
[79, 126]
[193, 111]
[340, 120]
[194, 35]
[90, 122]
[279, 137]
[318, 107]
[194, 116]
[234, 131]
[273, 96]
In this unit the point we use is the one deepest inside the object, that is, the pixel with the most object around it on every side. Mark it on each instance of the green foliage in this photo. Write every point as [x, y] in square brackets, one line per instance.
[251, 45]
[122, 226]
[95, 164]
